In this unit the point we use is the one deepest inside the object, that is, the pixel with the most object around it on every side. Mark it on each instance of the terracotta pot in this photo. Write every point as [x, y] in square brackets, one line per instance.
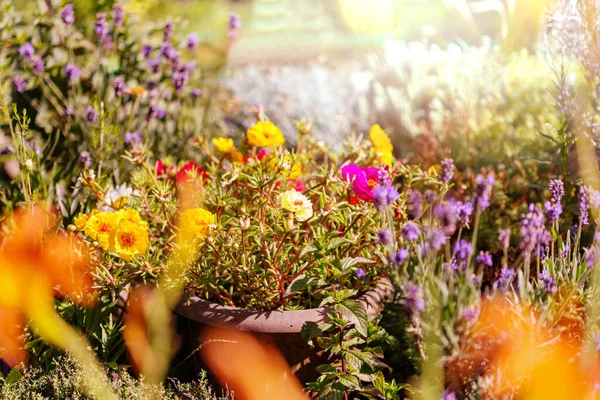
[280, 328]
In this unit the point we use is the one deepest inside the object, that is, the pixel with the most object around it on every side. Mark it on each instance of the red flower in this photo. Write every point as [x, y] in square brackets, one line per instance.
[161, 168]
[185, 174]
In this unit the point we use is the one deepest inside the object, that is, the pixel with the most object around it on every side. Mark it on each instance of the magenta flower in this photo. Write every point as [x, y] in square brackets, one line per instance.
[364, 180]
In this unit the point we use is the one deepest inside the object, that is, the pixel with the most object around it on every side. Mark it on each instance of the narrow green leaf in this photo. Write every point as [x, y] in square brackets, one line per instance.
[355, 312]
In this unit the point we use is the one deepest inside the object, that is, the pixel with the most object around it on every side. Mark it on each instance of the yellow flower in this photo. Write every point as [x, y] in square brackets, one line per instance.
[80, 221]
[129, 239]
[136, 91]
[293, 170]
[223, 145]
[385, 157]
[196, 221]
[297, 203]
[380, 140]
[265, 134]
[236, 156]
[131, 215]
[99, 226]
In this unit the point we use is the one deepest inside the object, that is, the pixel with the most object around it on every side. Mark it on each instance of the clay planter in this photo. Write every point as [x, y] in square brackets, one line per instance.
[280, 328]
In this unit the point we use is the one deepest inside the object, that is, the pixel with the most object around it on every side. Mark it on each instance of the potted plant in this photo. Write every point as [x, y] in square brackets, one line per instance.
[288, 238]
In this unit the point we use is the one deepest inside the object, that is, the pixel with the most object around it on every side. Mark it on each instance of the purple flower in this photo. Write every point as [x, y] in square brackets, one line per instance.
[414, 203]
[447, 172]
[384, 236]
[196, 92]
[153, 64]
[557, 190]
[463, 212]
[360, 274]
[168, 31]
[38, 64]
[233, 24]
[91, 114]
[384, 196]
[507, 275]
[548, 282]
[583, 206]
[504, 237]
[413, 298]
[434, 241]
[462, 250]
[553, 210]
[533, 230]
[485, 258]
[68, 14]
[72, 72]
[132, 139]
[85, 159]
[192, 41]
[591, 256]
[119, 87]
[27, 50]
[20, 83]
[448, 395]
[400, 256]
[470, 313]
[160, 113]
[102, 30]
[446, 214]
[155, 112]
[170, 53]
[483, 191]
[594, 196]
[179, 79]
[118, 15]
[69, 111]
[410, 232]
[146, 50]
[430, 196]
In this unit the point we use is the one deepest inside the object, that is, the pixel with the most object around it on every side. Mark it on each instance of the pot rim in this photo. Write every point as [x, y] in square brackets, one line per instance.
[213, 314]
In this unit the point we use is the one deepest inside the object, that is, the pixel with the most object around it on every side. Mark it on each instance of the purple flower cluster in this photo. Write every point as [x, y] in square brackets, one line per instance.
[28, 52]
[462, 250]
[413, 298]
[483, 191]
[553, 207]
[548, 282]
[68, 14]
[132, 139]
[103, 30]
[20, 83]
[400, 256]
[233, 25]
[168, 31]
[448, 395]
[583, 206]
[410, 232]
[414, 203]
[504, 237]
[119, 87]
[72, 72]
[507, 275]
[192, 41]
[434, 241]
[447, 171]
[118, 15]
[533, 230]
[155, 112]
[463, 212]
[446, 214]
[470, 313]
[85, 159]
[484, 258]
[384, 196]
[91, 114]
[384, 236]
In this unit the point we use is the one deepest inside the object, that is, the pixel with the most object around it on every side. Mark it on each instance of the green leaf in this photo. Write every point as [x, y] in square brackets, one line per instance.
[309, 331]
[344, 294]
[337, 242]
[349, 262]
[13, 376]
[355, 312]
[326, 369]
[307, 250]
[350, 381]
[298, 284]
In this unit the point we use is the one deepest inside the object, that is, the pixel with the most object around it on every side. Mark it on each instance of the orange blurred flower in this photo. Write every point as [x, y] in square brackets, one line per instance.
[36, 263]
[254, 371]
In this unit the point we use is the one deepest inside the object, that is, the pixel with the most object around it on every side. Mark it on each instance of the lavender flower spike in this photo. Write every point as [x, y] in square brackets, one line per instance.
[447, 172]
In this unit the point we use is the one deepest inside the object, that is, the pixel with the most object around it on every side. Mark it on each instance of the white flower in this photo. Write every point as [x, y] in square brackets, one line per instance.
[297, 203]
[117, 197]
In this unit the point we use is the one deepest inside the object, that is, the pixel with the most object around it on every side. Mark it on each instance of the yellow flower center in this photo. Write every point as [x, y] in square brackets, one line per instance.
[298, 203]
[104, 227]
[371, 183]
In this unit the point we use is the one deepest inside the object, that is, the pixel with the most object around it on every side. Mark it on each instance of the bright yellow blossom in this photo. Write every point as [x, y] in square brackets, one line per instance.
[131, 215]
[80, 220]
[99, 226]
[129, 239]
[297, 203]
[292, 170]
[196, 221]
[380, 140]
[265, 134]
[223, 145]
[236, 156]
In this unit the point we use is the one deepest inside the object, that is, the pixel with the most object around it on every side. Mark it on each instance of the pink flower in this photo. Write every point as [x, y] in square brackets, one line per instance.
[364, 180]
